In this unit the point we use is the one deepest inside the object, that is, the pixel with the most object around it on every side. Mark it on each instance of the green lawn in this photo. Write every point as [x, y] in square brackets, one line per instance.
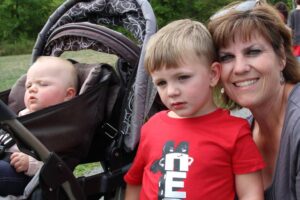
[12, 67]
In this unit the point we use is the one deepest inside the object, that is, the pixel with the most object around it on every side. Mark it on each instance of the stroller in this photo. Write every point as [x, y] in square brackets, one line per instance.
[100, 124]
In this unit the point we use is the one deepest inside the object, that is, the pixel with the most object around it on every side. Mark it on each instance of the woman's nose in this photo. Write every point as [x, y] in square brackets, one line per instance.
[241, 65]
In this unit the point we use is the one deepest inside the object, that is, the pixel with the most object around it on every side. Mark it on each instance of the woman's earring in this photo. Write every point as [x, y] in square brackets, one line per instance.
[222, 90]
[282, 79]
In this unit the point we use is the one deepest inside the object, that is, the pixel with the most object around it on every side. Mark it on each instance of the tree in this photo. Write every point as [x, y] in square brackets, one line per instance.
[169, 10]
[25, 19]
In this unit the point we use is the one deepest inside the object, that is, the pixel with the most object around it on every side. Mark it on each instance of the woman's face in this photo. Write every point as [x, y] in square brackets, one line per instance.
[250, 71]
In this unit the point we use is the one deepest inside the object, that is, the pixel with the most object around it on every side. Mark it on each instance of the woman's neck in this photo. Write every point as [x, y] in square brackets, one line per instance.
[269, 117]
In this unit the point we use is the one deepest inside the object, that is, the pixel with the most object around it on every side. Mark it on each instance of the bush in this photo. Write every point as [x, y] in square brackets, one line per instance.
[16, 47]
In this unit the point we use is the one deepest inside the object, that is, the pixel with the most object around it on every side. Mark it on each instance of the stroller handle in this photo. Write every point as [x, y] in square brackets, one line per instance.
[9, 119]
[6, 113]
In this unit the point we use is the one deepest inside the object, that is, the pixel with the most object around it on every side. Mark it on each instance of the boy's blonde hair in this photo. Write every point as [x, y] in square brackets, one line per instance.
[176, 41]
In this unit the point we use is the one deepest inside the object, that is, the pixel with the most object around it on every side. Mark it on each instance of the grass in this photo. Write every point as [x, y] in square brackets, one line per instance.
[12, 67]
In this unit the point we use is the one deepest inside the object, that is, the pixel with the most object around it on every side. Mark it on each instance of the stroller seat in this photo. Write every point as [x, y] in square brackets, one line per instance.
[60, 127]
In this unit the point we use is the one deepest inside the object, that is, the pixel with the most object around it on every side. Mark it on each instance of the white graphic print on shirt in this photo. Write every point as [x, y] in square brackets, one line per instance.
[174, 165]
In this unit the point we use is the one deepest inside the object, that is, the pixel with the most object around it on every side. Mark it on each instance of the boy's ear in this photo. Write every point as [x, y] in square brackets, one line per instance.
[71, 92]
[215, 74]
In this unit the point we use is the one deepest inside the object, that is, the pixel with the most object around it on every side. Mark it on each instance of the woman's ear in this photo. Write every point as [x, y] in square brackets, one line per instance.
[215, 74]
[71, 92]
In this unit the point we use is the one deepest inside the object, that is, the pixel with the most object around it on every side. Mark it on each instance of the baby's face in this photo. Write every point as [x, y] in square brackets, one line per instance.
[44, 87]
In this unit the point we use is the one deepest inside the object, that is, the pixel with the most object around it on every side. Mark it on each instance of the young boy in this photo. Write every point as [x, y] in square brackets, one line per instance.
[193, 150]
[50, 80]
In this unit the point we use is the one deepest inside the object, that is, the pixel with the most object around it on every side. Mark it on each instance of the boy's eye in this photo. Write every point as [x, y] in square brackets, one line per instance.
[160, 83]
[183, 77]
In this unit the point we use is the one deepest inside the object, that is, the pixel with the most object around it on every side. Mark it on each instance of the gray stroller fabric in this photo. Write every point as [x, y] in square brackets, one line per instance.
[84, 35]
[112, 13]
[144, 92]
[126, 13]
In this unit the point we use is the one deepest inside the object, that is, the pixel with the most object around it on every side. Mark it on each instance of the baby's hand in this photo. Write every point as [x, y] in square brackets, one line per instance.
[20, 161]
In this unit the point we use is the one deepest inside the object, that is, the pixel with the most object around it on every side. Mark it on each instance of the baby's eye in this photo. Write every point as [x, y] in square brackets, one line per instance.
[43, 84]
[28, 85]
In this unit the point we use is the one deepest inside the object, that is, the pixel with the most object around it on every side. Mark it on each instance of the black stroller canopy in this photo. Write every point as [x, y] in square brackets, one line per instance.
[125, 13]
[83, 35]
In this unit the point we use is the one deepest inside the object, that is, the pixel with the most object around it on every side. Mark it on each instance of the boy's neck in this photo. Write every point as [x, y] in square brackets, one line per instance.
[172, 114]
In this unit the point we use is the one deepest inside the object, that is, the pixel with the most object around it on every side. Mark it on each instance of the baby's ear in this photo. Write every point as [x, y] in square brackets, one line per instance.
[215, 74]
[71, 92]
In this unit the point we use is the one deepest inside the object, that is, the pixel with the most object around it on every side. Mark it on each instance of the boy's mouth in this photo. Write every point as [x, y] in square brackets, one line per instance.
[178, 105]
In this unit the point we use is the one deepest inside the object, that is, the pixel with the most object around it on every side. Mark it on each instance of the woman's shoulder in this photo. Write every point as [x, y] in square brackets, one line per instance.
[294, 96]
[292, 116]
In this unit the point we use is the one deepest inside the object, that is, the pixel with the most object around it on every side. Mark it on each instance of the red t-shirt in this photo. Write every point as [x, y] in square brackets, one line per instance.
[193, 158]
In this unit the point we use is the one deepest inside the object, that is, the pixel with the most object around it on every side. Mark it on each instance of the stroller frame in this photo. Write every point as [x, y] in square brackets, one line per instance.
[125, 138]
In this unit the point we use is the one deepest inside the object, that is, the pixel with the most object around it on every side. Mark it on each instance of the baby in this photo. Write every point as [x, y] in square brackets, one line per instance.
[50, 81]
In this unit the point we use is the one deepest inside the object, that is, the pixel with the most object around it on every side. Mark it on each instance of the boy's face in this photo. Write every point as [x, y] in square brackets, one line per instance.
[45, 86]
[187, 90]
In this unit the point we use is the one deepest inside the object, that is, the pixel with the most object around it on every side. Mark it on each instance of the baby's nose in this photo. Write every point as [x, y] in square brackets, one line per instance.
[32, 88]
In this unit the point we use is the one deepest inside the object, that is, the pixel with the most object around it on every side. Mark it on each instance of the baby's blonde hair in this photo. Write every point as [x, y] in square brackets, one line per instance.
[62, 64]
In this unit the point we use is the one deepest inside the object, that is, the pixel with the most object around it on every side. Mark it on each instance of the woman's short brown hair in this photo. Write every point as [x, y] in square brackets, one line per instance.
[264, 20]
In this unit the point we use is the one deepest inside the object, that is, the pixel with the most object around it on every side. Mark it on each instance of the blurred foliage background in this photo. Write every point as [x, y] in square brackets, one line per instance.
[22, 20]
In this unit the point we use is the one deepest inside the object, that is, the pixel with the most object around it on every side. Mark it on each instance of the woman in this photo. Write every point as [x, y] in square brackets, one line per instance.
[259, 72]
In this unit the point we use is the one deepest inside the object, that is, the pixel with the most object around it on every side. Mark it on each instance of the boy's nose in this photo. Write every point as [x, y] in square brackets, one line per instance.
[173, 91]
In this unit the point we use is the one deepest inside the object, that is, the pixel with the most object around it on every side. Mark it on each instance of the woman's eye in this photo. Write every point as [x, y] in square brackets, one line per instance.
[225, 57]
[254, 52]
